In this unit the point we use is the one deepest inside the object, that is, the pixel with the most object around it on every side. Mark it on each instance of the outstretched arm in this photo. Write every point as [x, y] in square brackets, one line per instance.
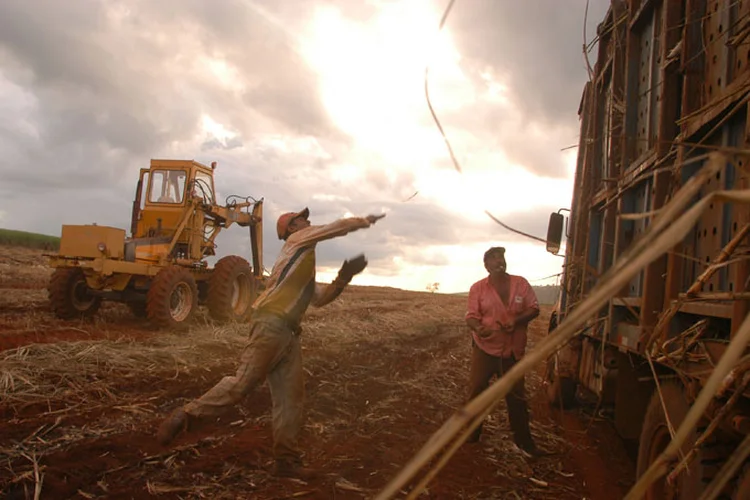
[326, 294]
[314, 234]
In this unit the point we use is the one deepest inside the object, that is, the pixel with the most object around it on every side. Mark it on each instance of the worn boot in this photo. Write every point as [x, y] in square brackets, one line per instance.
[175, 423]
[292, 468]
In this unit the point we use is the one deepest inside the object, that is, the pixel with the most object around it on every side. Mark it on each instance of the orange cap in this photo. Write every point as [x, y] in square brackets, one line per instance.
[282, 225]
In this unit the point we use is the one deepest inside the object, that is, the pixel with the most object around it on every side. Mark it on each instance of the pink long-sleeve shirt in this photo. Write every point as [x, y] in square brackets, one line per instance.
[485, 305]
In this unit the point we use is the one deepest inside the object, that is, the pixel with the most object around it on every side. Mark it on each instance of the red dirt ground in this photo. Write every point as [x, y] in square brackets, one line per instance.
[375, 393]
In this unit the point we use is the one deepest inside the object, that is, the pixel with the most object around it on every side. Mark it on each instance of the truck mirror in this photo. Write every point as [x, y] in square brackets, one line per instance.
[554, 232]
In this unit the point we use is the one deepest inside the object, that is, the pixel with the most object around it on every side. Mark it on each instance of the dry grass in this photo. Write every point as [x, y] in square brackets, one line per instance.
[76, 371]
[22, 268]
[85, 371]
[379, 362]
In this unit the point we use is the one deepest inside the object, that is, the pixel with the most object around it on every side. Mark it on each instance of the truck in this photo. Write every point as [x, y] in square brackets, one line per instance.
[670, 84]
[161, 270]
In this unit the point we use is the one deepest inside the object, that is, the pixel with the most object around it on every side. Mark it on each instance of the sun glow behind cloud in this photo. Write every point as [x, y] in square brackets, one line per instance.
[372, 81]
[372, 84]
[216, 129]
[371, 77]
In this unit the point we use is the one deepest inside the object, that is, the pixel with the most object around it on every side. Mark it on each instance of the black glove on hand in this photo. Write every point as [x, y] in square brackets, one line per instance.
[351, 267]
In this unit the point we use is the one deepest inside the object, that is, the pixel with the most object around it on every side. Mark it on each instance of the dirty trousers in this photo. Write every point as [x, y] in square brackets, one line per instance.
[483, 366]
[273, 352]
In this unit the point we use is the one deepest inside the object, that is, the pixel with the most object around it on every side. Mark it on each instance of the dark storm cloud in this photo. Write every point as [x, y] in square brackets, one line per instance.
[524, 142]
[534, 44]
[115, 77]
[259, 40]
[534, 48]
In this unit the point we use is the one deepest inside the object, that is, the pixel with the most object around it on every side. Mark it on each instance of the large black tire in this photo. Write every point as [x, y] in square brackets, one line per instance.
[561, 391]
[69, 295]
[655, 437]
[231, 290]
[172, 299]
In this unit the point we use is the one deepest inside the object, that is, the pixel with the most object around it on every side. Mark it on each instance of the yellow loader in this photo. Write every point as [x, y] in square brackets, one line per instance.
[160, 271]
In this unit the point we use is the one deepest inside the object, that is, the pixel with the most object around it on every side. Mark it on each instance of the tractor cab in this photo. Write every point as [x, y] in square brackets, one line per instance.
[167, 182]
[164, 190]
[169, 185]
[163, 208]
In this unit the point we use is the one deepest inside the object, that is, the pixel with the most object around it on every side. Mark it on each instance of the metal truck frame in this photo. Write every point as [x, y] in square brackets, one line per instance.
[671, 83]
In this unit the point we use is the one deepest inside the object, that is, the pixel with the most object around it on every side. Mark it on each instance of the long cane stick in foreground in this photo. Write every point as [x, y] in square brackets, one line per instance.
[659, 238]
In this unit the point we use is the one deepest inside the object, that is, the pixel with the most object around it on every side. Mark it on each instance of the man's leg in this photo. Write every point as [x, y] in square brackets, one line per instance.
[483, 366]
[267, 347]
[286, 381]
[518, 410]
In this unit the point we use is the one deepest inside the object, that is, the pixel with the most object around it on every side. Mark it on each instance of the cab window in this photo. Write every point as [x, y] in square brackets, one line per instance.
[167, 186]
[204, 187]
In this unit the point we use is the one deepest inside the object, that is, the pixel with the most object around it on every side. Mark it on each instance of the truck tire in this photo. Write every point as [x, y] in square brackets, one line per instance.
[69, 294]
[561, 391]
[742, 491]
[172, 299]
[231, 289]
[655, 437]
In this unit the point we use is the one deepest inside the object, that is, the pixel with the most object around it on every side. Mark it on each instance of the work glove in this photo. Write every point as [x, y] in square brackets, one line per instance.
[350, 268]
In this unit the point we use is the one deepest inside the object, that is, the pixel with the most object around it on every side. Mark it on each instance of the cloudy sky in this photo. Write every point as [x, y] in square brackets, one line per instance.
[304, 103]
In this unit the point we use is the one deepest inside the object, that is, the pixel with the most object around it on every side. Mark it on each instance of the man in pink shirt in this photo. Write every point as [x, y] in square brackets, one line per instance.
[499, 310]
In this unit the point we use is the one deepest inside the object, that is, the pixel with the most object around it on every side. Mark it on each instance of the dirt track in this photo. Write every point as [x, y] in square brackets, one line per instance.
[385, 368]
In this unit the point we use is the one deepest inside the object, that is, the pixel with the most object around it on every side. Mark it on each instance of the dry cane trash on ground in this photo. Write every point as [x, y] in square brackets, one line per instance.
[384, 369]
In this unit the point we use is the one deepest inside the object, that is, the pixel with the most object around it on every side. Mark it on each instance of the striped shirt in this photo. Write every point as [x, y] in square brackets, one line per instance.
[291, 287]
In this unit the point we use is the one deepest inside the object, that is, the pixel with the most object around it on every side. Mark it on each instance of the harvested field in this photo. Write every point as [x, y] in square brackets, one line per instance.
[80, 402]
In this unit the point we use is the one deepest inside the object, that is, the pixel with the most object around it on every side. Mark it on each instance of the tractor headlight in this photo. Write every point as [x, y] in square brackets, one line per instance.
[102, 247]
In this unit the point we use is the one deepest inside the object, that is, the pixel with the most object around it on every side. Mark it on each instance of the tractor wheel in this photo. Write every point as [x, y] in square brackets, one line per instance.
[172, 299]
[655, 437]
[69, 294]
[202, 292]
[231, 289]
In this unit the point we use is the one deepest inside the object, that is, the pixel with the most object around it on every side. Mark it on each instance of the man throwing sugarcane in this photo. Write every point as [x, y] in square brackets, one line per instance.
[273, 351]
